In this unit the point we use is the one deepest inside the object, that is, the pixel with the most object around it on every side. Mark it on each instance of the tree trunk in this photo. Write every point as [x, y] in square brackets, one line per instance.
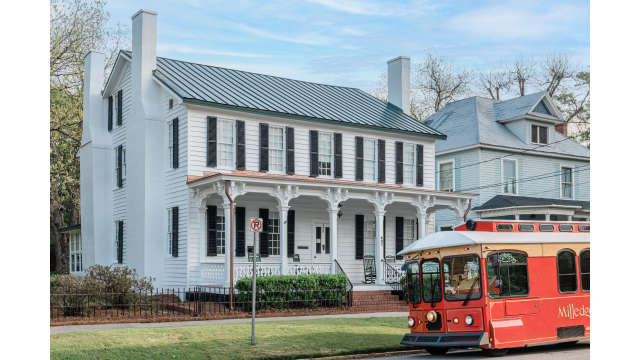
[56, 222]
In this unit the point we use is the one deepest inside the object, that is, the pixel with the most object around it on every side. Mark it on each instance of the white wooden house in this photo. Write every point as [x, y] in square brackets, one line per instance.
[176, 157]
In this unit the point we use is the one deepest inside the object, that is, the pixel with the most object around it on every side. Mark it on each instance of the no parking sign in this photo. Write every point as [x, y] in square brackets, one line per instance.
[256, 224]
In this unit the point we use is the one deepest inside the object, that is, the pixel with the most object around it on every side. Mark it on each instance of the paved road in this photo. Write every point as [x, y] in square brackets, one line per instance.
[560, 352]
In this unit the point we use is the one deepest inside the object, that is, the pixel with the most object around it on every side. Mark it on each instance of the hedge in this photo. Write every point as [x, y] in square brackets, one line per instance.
[293, 291]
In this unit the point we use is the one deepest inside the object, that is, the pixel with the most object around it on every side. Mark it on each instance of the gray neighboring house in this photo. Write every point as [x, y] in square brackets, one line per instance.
[516, 155]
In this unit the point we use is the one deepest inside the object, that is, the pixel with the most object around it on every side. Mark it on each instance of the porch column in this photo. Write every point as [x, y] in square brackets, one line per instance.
[333, 237]
[422, 222]
[284, 266]
[203, 231]
[227, 237]
[547, 217]
[379, 243]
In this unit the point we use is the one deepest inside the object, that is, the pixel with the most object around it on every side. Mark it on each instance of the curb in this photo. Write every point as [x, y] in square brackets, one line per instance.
[370, 355]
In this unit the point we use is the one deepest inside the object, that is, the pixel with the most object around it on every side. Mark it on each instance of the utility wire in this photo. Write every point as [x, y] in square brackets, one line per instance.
[557, 188]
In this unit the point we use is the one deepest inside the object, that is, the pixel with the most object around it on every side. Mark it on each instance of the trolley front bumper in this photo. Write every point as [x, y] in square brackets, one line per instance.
[446, 340]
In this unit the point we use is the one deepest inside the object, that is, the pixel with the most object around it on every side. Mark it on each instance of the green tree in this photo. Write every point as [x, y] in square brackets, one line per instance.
[76, 27]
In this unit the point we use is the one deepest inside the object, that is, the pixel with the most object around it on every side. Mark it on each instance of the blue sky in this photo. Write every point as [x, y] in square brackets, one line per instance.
[348, 42]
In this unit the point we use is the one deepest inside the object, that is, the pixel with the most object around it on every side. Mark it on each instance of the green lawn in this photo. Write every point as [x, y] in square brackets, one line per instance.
[275, 340]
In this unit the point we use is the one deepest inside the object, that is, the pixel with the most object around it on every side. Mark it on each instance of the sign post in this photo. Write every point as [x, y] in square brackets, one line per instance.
[256, 227]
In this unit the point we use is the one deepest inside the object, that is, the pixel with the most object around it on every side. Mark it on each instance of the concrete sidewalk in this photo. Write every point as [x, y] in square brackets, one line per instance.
[71, 328]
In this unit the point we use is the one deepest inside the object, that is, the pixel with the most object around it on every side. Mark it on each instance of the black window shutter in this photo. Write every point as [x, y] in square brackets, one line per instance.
[264, 235]
[399, 179]
[313, 153]
[120, 166]
[212, 223]
[174, 231]
[240, 145]
[110, 114]
[291, 233]
[119, 107]
[337, 155]
[399, 235]
[291, 154]
[359, 158]
[240, 231]
[359, 237]
[419, 165]
[212, 141]
[327, 240]
[381, 162]
[120, 241]
[176, 142]
[264, 147]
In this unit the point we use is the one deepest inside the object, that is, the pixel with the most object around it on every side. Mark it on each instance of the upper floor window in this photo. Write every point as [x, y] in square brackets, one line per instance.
[445, 177]
[567, 182]
[173, 143]
[325, 153]
[567, 277]
[120, 165]
[509, 176]
[170, 104]
[226, 144]
[539, 134]
[370, 157]
[409, 163]
[276, 149]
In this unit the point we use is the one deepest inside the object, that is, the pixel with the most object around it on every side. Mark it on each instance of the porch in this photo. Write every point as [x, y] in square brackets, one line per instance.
[312, 226]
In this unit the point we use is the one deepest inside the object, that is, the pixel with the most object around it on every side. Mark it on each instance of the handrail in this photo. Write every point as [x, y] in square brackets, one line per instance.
[340, 270]
[391, 275]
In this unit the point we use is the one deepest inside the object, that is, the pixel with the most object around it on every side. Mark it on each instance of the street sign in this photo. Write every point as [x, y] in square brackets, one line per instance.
[256, 224]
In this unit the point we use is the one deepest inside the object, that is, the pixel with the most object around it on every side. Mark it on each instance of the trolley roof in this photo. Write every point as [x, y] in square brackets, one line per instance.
[444, 239]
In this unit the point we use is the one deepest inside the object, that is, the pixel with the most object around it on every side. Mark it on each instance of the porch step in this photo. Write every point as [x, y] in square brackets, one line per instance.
[377, 301]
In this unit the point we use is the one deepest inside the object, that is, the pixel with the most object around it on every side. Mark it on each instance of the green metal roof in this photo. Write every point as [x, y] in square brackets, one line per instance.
[247, 91]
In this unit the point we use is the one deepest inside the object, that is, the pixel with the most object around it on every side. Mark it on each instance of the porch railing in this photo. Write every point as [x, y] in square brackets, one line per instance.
[340, 270]
[213, 273]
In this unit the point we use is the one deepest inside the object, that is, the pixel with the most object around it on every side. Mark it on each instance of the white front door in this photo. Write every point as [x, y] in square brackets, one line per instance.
[320, 243]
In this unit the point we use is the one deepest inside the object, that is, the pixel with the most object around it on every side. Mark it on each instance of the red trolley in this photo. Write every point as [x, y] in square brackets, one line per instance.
[498, 285]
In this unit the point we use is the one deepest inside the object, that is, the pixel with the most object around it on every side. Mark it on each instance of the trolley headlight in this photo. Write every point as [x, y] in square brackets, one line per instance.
[412, 322]
[432, 316]
[468, 320]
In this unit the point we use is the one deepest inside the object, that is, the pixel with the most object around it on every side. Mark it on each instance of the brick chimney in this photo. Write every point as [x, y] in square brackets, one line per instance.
[399, 82]
[562, 128]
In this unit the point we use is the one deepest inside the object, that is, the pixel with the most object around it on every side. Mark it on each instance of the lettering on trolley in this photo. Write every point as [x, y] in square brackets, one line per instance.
[572, 312]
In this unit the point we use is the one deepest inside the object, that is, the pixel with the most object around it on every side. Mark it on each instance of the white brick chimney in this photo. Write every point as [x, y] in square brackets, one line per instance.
[144, 42]
[399, 82]
[92, 103]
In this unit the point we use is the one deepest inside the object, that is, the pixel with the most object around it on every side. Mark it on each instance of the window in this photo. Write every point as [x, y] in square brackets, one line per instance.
[585, 269]
[509, 176]
[409, 232]
[120, 165]
[225, 144]
[565, 228]
[525, 227]
[567, 278]
[273, 234]
[170, 143]
[507, 274]
[446, 228]
[325, 153]
[547, 227]
[584, 228]
[170, 104]
[75, 252]
[276, 149]
[431, 291]
[413, 282]
[445, 181]
[409, 164]
[370, 156]
[539, 134]
[119, 242]
[567, 182]
[220, 232]
[369, 238]
[461, 277]
[504, 227]
[169, 231]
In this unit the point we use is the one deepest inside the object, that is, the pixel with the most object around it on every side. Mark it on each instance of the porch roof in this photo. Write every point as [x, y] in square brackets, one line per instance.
[262, 176]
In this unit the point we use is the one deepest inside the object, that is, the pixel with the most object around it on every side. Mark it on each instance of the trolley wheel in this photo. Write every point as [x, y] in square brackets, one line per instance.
[436, 350]
[495, 352]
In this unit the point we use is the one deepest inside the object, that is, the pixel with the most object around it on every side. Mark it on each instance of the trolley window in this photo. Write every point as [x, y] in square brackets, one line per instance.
[565, 228]
[461, 277]
[584, 228]
[547, 227]
[507, 274]
[567, 277]
[413, 282]
[585, 269]
[431, 289]
[525, 227]
[504, 227]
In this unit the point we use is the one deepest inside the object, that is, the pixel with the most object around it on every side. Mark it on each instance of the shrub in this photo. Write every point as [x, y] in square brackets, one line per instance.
[115, 279]
[293, 291]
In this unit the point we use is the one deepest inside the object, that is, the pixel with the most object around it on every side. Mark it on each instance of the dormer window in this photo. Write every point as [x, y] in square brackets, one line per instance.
[539, 134]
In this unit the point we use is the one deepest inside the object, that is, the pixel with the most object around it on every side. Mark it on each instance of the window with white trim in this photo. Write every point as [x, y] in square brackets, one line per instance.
[273, 234]
[509, 176]
[370, 157]
[539, 134]
[325, 153]
[276, 149]
[445, 176]
[116, 165]
[75, 252]
[226, 140]
[409, 164]
[220, 232]
[409, 232]
[170, 143]
[369, 246]
[567, 182]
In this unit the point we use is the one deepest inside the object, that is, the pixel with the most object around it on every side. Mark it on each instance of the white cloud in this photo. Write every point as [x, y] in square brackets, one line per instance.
[305, 39]
[203, 51]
